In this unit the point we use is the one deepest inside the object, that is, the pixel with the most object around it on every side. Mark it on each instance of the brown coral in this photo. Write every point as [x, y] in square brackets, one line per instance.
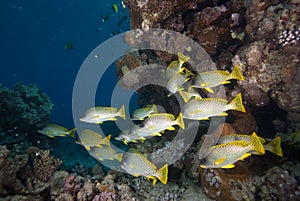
[45, 165]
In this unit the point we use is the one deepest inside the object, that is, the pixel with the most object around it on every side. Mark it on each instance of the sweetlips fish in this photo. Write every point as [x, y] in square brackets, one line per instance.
[90, 138]
[136, 134]
[141, 113]
[225, 155]
[98, 115]
[176, 82]
[137, 165]
[105, 153]
[202, 109]
[53, 130]
[210, 79]
[273, 146]
[187, 95]
[156, 123]
[176, 65]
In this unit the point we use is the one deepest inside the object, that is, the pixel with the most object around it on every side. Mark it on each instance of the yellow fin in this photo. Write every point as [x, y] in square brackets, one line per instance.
[171, 128]
[275, 146]
[88, 148]
[246, 155]
[205, 118]
[122, 112]
[256, 143]
[237, 104]
[72, 132]
[106, 140]
[209, 90]
[219, 161]
[180, 121]
[228, 166]
[163, 174]
[223, 114]
[182, 58]
[155, 134]
[225, 82]
[203, 166]
[119, 156]
[186, 96]
[236, 73]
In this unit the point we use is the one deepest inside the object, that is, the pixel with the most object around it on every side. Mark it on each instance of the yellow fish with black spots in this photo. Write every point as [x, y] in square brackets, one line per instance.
[176, 65]
[89, 138]
[202, 109]
[142, 113]
[187, 95]
[225, 155]
[176, 82]
[273, 146]
[210, 79]
[105, 153]
[136, 134]
[137, 165]
[98, 115]
[53, 130]
[159, 122]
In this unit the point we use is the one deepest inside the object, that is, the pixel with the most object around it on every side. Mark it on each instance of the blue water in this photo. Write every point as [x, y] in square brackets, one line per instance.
[32, 50]
[33, 35]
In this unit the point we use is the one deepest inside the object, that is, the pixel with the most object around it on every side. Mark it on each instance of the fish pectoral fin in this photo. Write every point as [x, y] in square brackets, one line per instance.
[246, 155]
[219, 161]
[171, 128]
[209, 90]
[228, 166]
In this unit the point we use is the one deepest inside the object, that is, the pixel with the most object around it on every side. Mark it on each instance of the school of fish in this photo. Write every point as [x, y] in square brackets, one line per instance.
[229, 149]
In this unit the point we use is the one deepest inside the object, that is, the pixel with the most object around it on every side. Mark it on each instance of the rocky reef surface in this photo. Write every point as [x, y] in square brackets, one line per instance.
[263, 39]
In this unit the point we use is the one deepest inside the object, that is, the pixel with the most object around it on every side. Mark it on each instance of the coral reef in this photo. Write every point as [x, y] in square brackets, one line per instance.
[25, 108]
[44, 165]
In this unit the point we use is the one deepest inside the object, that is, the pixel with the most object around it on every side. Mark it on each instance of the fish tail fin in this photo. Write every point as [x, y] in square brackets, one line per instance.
[163, 174]
[180, 121]
[154, 108]
[119, 156]
[72, 132]
[188, 72]
[275, 146]
[256, 143]
[236, 73]
[182, 58]
[106, 140]
[122, 112]
[237, 103]
[186, 96]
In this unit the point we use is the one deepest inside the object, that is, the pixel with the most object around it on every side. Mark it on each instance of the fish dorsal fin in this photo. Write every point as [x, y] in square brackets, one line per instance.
[219, 161]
